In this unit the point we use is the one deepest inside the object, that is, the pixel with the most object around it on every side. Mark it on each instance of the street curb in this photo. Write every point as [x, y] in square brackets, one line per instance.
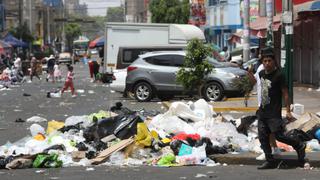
[288, 158]
[242, 109]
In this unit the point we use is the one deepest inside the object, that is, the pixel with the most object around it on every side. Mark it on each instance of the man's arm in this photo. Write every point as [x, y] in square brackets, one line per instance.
[287, 103]
[251, 77]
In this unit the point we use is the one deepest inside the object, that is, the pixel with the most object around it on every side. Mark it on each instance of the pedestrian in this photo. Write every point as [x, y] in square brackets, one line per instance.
[273, 88]
[227, 55]
[18, 64]
[50, 68]
[96, 68]
[69, 82]
[273, 144]
[90, 63]
[57, 73]
[34, 68]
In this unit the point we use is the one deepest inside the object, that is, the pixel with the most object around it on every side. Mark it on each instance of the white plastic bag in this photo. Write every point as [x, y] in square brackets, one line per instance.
[36, 119]
[36, 128]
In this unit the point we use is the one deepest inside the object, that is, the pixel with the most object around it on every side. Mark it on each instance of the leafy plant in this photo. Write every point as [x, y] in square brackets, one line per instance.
[72, 30]
[245, 86]
[192, 74]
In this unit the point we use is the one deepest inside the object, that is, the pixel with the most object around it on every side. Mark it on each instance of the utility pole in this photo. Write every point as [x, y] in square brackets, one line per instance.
[20, 18]
[262, 8]
[48, 24]
[287, 44]
[269, 8]
[246, 30]
[63, 31]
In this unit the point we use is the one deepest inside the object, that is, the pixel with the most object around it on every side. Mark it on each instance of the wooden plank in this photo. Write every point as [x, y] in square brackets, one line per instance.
[107, 152]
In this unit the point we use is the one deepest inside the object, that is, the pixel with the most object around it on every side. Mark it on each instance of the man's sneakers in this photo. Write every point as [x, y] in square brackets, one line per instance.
[275, 151]
[301, 152]
[74, 96]
[268, 165]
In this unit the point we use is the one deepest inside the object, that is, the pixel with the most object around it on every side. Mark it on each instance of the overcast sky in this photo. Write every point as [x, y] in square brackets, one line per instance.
[99, 7]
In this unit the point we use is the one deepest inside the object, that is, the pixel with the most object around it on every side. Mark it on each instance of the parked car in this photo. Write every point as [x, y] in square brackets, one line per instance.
[252, 62]
[119, 80]
[65, 58]
[154, 74]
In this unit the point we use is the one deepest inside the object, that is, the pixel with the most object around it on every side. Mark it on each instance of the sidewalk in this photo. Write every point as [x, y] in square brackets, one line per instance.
[308, 97]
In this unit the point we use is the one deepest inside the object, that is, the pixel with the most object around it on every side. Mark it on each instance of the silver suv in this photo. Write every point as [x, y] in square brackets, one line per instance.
[154, 74]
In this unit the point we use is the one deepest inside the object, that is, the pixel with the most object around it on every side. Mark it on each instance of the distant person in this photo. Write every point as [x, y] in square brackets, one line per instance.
[254, 53]
[50, 68]
[96, 68]
[18, 64]
[57, 72]
[227, 55]
[34, 68]
[69, 82]
[90, 63]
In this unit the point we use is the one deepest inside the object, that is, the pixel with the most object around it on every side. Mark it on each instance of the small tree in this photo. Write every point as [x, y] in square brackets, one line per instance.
[192, 74]
[72, 30]
[245, 86]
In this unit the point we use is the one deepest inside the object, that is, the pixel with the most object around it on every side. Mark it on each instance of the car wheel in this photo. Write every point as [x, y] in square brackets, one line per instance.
[143, 92]
[213, 91]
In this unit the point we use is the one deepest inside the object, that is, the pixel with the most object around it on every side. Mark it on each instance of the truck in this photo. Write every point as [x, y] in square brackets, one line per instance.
[159, 36]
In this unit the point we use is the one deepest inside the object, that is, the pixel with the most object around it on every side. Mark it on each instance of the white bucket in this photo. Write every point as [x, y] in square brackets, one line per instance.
[298, 109]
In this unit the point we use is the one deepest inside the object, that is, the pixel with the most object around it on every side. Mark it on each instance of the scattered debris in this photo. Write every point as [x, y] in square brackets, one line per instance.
[36, 119]
[200, 175]
[20, 120]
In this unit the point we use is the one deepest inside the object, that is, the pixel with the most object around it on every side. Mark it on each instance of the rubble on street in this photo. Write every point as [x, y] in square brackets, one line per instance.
[189, 133]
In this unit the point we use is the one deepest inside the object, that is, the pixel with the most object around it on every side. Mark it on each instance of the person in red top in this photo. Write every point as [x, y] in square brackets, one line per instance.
[69, 82]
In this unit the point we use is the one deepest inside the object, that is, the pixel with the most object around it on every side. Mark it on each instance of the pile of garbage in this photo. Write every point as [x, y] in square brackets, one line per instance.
[187, 134]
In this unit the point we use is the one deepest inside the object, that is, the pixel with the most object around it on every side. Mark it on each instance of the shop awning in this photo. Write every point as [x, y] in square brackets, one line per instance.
[14, 42]
[98, 42]
[258, 28]
[308, 6]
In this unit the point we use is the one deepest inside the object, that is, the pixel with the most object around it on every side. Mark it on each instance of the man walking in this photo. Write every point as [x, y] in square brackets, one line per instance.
[273, 88]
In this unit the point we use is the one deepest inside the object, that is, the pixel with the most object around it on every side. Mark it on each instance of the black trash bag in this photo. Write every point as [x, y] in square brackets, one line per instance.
[191, 142]
[210, 149]
[91, 155]
[299, 135]
[55, 147]
[118, 109]
[101, 129]
[312, 132]
[127, 127]
[98, 145]
[245, 124]
[175, 146]
[5, 161]
[81, 146]
[67, 128]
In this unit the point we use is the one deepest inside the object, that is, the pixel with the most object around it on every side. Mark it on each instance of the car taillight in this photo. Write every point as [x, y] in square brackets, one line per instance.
[114, 78]
[131, 68]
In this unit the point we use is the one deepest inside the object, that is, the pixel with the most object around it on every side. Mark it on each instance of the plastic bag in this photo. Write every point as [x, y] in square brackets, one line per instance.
[73, 120]
[36, 129]
[36, 119]
[185, 150]
[167, 160]
[143, 136]
[195, 157]
[47, 161]
[53, 126]
[127, 127]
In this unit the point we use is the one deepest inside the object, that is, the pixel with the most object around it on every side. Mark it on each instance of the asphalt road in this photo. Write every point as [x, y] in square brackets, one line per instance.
[95, 97]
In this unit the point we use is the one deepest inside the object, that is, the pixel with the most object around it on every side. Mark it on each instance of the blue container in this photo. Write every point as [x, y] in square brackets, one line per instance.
[317, 134]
